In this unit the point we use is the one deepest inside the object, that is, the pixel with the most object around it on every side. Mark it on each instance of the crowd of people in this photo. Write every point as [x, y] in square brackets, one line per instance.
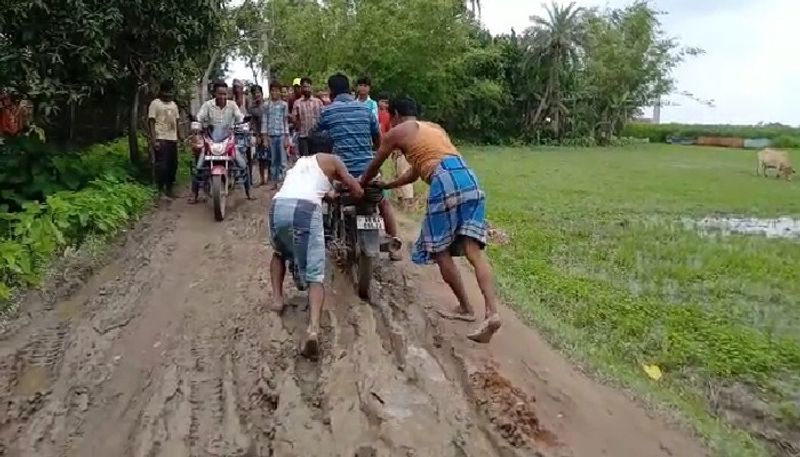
[343, 134]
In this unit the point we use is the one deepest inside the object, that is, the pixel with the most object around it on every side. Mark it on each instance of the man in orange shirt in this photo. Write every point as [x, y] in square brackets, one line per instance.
[455, 219]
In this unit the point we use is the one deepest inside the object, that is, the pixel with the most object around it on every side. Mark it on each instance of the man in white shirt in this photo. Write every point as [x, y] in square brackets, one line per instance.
[163, 128]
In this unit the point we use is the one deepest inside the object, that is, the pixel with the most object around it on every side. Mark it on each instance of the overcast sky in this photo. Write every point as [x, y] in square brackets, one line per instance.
[751, 68]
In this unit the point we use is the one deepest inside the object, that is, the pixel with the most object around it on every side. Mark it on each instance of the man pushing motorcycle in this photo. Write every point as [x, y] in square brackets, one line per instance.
[296, 230]
[454, 223]
[220, 115]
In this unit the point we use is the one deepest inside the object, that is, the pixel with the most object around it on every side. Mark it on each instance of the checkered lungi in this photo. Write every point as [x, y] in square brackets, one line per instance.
[456, 209]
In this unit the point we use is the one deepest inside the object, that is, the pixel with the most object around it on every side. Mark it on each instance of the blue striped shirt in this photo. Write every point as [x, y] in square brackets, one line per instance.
[351, 126]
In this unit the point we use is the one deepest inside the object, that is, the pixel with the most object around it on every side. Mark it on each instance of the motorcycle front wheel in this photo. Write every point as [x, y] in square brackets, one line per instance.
[219, 197]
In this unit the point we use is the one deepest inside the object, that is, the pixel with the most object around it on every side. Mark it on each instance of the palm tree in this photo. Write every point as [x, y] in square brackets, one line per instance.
[553, 46]
[475, 7]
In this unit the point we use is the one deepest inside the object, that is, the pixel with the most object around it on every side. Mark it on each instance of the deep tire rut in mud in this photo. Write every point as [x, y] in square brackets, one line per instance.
[169, 350]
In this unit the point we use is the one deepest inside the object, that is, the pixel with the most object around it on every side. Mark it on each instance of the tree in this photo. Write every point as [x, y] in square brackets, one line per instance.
[552, 45]
[54, 52]
[627, 64]
[157, 39]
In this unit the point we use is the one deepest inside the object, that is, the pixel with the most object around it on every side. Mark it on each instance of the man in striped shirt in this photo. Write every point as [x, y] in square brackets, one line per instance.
[306, 114]
[356, 134]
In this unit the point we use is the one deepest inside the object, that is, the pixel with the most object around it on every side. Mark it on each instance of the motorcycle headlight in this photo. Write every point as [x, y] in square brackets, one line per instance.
[243, 128]
[218, 149]
[195, 126]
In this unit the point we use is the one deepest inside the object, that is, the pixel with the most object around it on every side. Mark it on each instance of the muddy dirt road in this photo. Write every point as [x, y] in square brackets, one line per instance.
[168, 351]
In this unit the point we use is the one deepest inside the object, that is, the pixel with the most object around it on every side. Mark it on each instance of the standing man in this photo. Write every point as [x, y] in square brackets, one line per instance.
[355, 133]
[256, 110]
[297, 94]
[306, 115]
[238, 95]
[296, 230]
[455, 222]
[162, 120]
[363, 90]
[401, 165]
[275, 132]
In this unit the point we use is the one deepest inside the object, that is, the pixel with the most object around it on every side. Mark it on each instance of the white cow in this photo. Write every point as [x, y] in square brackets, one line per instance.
[779, 160]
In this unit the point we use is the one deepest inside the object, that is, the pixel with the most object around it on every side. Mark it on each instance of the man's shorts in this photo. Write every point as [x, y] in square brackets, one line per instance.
[296, 234]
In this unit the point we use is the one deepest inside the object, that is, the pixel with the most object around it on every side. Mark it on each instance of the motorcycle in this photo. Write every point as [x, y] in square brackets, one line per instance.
[353, 232]
[243, 137]
[219, 173]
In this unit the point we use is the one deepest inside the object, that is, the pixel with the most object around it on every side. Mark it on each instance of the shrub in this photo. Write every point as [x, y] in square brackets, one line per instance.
[32, 236]
[32, 170]
[787, 141]
[658, 133]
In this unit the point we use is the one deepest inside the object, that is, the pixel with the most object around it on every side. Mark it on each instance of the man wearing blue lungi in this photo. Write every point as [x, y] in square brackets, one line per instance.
[455, 219]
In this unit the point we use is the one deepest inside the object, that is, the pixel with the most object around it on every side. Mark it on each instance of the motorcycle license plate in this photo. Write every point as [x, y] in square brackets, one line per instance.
[210, 158]
[369, 223]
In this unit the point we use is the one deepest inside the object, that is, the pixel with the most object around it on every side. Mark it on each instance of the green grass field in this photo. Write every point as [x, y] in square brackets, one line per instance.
[601, 260]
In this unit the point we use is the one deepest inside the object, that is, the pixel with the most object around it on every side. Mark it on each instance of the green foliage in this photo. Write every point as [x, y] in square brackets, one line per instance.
[29, 238]
[601, 258]
[32, 170]
[575, 73]
[658, 133]
[59, 54]
[786, 141]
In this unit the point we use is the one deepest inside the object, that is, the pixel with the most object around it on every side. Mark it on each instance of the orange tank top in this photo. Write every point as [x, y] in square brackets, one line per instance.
[427, 147]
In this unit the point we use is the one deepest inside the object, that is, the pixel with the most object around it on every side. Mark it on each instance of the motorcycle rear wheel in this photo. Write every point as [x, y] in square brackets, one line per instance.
[363, 276]
[219, 197]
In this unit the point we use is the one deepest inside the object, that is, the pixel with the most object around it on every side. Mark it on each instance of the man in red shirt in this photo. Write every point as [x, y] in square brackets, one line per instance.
[401, 164]
[384, 120]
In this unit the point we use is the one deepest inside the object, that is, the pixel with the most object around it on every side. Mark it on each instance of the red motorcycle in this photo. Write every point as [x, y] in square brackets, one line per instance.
[219, 173]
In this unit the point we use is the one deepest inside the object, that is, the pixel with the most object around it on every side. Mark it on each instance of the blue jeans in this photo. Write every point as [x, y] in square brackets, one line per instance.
[296, 234]
[277, 158]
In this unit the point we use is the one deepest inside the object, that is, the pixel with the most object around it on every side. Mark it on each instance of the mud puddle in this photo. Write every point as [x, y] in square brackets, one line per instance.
[782, 227]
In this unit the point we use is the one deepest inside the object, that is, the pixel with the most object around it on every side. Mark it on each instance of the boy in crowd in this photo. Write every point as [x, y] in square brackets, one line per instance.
[275, 132]
[362, 90]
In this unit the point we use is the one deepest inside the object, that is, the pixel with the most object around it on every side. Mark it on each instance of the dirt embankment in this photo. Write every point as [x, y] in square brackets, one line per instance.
[169, 351]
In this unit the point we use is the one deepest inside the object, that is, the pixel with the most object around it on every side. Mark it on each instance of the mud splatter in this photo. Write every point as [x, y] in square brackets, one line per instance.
[509, 409]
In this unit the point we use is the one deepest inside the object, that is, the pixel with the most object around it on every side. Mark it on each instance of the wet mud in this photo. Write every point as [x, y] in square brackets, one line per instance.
[170, 350]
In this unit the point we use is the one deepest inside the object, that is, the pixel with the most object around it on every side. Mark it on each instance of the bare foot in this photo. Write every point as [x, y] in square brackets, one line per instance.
[277, 305]
[487, 329]
[457, 314]
[310, 347]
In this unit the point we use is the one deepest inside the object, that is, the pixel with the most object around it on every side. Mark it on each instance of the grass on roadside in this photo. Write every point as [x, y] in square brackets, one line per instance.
[600, 260]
